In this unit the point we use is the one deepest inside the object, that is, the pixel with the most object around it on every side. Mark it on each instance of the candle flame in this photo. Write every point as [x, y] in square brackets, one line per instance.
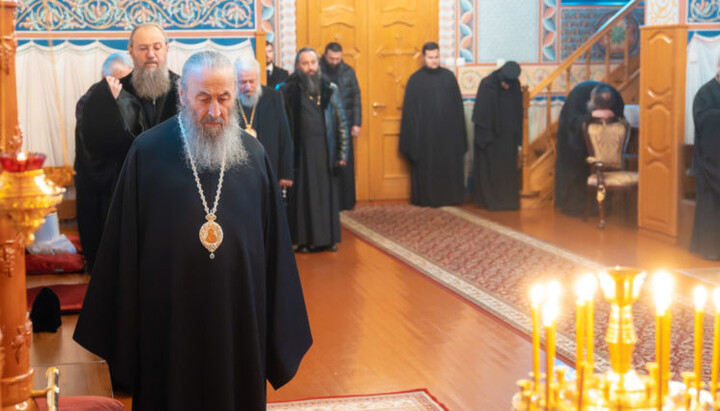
[607, 285]
[716, 298]
[585, 288]
[663, 287]
[637, 284]
[537, 294]
[550, 312]
[700, 295]
[22, 156]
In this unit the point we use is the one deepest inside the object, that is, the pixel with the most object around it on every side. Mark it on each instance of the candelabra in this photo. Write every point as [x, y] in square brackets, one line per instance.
[621, 387]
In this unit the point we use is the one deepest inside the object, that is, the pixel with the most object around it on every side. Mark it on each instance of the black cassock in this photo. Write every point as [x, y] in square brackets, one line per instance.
[433, 137]
[185, 332]
[571, 168]
[498, 121]
[273, 131]
[705, 239]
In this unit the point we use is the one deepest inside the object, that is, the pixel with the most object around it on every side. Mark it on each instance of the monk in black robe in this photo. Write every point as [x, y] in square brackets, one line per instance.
[262, 114]
[195, 318]
[321, 145]
[117, 111]
[93, 184]
[275, 75]
[571, 167]
[498, 118]
[432, 133]
[705, 239]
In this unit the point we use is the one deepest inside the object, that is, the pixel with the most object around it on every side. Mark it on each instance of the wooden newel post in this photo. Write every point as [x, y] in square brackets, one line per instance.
[17, 376]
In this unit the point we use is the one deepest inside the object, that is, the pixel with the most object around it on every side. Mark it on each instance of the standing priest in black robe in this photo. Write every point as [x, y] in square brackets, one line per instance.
[196, 301]
[705, 239]
[93, 184]
[571, 167]
[262, 114]
[432, 133]
[117, 111]
[275, 75]
[321, 144]
[498, 118]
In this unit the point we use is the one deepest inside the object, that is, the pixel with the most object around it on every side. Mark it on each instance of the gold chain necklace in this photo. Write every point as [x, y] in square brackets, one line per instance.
[248, 124]
[211, 234]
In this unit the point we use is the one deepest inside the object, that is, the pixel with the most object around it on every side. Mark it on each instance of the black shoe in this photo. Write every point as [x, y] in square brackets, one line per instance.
[323, 248]
[332, 248]
[302, 249]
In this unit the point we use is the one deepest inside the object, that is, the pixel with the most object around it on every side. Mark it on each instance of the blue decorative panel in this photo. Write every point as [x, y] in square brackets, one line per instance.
[703, 11]
[496, 19]
[578, 24]
[122, 15]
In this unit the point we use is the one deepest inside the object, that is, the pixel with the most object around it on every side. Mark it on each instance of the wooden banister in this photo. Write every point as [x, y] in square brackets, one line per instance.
[585, 48]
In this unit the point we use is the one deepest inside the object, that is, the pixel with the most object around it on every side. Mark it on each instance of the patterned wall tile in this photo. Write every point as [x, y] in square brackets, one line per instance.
[496, 19]
[579, 24]
[549, 30]
[661, 12]
[701, 11]
[122, 15]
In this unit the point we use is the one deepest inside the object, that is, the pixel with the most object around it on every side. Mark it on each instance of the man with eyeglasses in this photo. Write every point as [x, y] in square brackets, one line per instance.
[119, 109]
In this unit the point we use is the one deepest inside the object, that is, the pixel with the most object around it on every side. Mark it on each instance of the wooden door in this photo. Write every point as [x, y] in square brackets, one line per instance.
[397, 30]
[382, 40]
[344, 21]
[662, 126]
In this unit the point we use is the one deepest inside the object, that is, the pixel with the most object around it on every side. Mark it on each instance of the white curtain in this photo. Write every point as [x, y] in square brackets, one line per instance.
[77, 67]
[537, 115]
[702, 66]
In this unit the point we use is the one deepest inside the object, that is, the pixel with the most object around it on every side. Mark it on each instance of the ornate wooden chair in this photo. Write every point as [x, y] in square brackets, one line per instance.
[606, 141]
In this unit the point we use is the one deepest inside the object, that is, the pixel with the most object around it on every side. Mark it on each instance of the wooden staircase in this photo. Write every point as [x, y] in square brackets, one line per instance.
[538, 158]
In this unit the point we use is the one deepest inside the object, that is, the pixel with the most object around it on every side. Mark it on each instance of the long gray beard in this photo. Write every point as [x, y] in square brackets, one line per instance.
[311, 84]
[251, 100]
[209, 149]
[151, 84]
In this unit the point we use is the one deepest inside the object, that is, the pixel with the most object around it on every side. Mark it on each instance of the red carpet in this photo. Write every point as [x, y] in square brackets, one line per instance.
[71, 296]
[417, 400]
[493, 266]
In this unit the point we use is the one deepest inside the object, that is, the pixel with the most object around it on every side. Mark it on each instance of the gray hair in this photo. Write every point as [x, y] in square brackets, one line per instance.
[140, 26]
[246, 63]
[205, 60]
[118, 57]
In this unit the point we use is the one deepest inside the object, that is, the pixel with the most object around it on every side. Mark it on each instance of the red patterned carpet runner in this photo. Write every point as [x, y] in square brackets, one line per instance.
[494, 267]
[418, 400]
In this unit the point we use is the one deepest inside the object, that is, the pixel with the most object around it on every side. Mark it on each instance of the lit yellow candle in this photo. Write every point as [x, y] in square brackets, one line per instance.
[580, 304]
[589, 287]
[700, 297]
[550, 314]
[537, 294]
[662, 284]
[716, 344]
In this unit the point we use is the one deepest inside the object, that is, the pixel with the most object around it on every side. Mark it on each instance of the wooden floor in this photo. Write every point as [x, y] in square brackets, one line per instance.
[379, 326]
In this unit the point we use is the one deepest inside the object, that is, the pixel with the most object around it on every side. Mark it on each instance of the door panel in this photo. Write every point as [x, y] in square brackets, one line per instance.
[381, 40]
[397, 30]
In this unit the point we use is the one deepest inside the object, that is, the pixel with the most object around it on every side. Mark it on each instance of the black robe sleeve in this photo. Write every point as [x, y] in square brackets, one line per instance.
[104, 129]
[289, 336]
[108, 321]
[286, 144]
[357, 108]
[706, 115]
[409, 121]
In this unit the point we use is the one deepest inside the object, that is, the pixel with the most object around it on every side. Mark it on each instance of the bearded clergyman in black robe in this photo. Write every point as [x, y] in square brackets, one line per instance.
[432, 133]
[498, 118]
[571, 167]
[195, 301]
[118, 110]
[321, 141]
[262, 114]
[705, 239]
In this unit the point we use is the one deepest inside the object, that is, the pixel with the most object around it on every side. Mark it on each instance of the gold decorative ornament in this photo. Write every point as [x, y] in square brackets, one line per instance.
[621, 387]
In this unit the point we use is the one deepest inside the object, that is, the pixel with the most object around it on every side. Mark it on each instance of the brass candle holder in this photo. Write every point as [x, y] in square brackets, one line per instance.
[26, 194]
[621, 387]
